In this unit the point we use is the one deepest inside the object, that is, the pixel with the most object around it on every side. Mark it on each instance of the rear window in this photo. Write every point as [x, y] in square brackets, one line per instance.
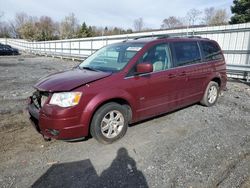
[211, 51]
[186, 53]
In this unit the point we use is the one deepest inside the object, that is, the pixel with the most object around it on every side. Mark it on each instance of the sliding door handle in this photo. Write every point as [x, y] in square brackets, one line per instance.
[171, 75]
[183, 73]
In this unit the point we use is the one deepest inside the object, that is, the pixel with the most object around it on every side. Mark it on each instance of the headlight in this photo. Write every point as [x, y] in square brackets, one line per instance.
[66, 99]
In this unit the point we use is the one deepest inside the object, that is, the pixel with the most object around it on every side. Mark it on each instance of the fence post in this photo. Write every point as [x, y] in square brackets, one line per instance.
[91, 46]
[44, 47]
[32, 46]
[70, 47]
[40, 47]
[79, 43]
[49, 48]
[61, 49]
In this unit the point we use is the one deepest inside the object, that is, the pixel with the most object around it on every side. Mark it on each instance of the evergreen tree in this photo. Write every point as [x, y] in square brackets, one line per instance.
[241, 11]
[90, 32]
[85, 31]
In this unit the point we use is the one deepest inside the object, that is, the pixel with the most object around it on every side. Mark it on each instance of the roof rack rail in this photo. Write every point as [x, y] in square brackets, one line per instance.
[193, 36]
[153, 36]
[163, 36]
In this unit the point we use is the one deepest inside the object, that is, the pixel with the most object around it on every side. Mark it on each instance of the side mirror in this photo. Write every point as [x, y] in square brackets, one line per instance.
[144, 68]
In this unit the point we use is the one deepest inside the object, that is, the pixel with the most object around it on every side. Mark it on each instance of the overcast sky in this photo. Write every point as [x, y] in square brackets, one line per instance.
[109, 12]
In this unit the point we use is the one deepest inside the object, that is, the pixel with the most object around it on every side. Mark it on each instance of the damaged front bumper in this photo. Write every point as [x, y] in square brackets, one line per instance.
[54, 122]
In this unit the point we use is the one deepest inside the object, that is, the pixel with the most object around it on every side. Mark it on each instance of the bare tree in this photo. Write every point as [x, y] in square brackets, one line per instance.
[171, 22]
[208, 14]
[16, 25]
[4, 27]
[28, 29]
[220, 17]
[21, 18]
[45, 28]
[138, 24]
[4, 30]
[69, 27]
[214, 16]
[13, 31]
[32, 28]
[193, 16]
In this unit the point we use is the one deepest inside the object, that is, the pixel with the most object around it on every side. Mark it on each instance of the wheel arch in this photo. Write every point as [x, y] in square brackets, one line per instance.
[100, 100]
[120, 101]
[217, 80]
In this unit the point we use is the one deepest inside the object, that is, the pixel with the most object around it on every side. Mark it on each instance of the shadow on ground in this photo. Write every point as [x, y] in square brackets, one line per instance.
[121, 173]
[234, 80]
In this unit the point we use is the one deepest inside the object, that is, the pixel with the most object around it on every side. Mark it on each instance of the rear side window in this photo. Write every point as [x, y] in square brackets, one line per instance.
[186, 53]
[211, 51]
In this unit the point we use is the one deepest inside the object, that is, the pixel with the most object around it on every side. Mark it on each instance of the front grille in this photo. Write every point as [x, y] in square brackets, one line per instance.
[39, 98]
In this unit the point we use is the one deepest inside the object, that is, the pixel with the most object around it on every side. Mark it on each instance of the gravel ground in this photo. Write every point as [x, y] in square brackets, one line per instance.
[192, 147]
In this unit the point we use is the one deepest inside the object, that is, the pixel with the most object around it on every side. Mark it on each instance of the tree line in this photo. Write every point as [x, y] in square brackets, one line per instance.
[45, 28]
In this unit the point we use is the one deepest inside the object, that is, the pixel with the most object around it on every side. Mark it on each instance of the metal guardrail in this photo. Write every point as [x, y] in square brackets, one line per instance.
[74, 57]
[239, 70]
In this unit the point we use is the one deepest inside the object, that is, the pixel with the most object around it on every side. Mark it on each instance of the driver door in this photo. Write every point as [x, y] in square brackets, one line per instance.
[155, 92]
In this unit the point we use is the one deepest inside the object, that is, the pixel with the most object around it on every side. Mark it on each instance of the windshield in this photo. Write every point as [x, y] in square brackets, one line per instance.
[111, 58]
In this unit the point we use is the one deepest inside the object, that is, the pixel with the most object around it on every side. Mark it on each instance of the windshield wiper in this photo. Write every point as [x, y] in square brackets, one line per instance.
[89, 68]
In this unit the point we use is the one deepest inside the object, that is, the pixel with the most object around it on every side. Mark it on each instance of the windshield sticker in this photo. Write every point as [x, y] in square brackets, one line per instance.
[134, 49]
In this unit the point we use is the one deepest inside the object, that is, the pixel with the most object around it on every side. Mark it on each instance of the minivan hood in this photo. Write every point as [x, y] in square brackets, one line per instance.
[68, 80]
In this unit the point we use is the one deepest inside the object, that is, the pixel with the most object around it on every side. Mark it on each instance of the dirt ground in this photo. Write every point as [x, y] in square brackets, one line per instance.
[192, 147]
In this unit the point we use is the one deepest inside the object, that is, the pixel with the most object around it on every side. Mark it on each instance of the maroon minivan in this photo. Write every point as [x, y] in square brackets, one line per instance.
[127, 82]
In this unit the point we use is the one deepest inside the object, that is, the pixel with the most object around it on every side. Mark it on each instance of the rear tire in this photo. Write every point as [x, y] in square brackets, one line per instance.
[109, 123]
[211, 94]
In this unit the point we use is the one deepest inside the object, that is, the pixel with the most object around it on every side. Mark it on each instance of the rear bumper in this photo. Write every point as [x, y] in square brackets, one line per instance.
[68, 128]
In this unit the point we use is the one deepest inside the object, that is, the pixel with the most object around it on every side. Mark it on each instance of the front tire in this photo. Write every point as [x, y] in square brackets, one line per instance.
[109, 123]
[211, 94]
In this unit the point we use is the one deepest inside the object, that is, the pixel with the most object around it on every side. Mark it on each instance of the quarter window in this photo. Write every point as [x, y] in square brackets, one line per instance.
[186, 53]
[211, 51]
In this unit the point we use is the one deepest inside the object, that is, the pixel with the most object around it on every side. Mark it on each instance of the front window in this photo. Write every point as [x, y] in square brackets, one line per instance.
[111, 58]
[158, 56]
